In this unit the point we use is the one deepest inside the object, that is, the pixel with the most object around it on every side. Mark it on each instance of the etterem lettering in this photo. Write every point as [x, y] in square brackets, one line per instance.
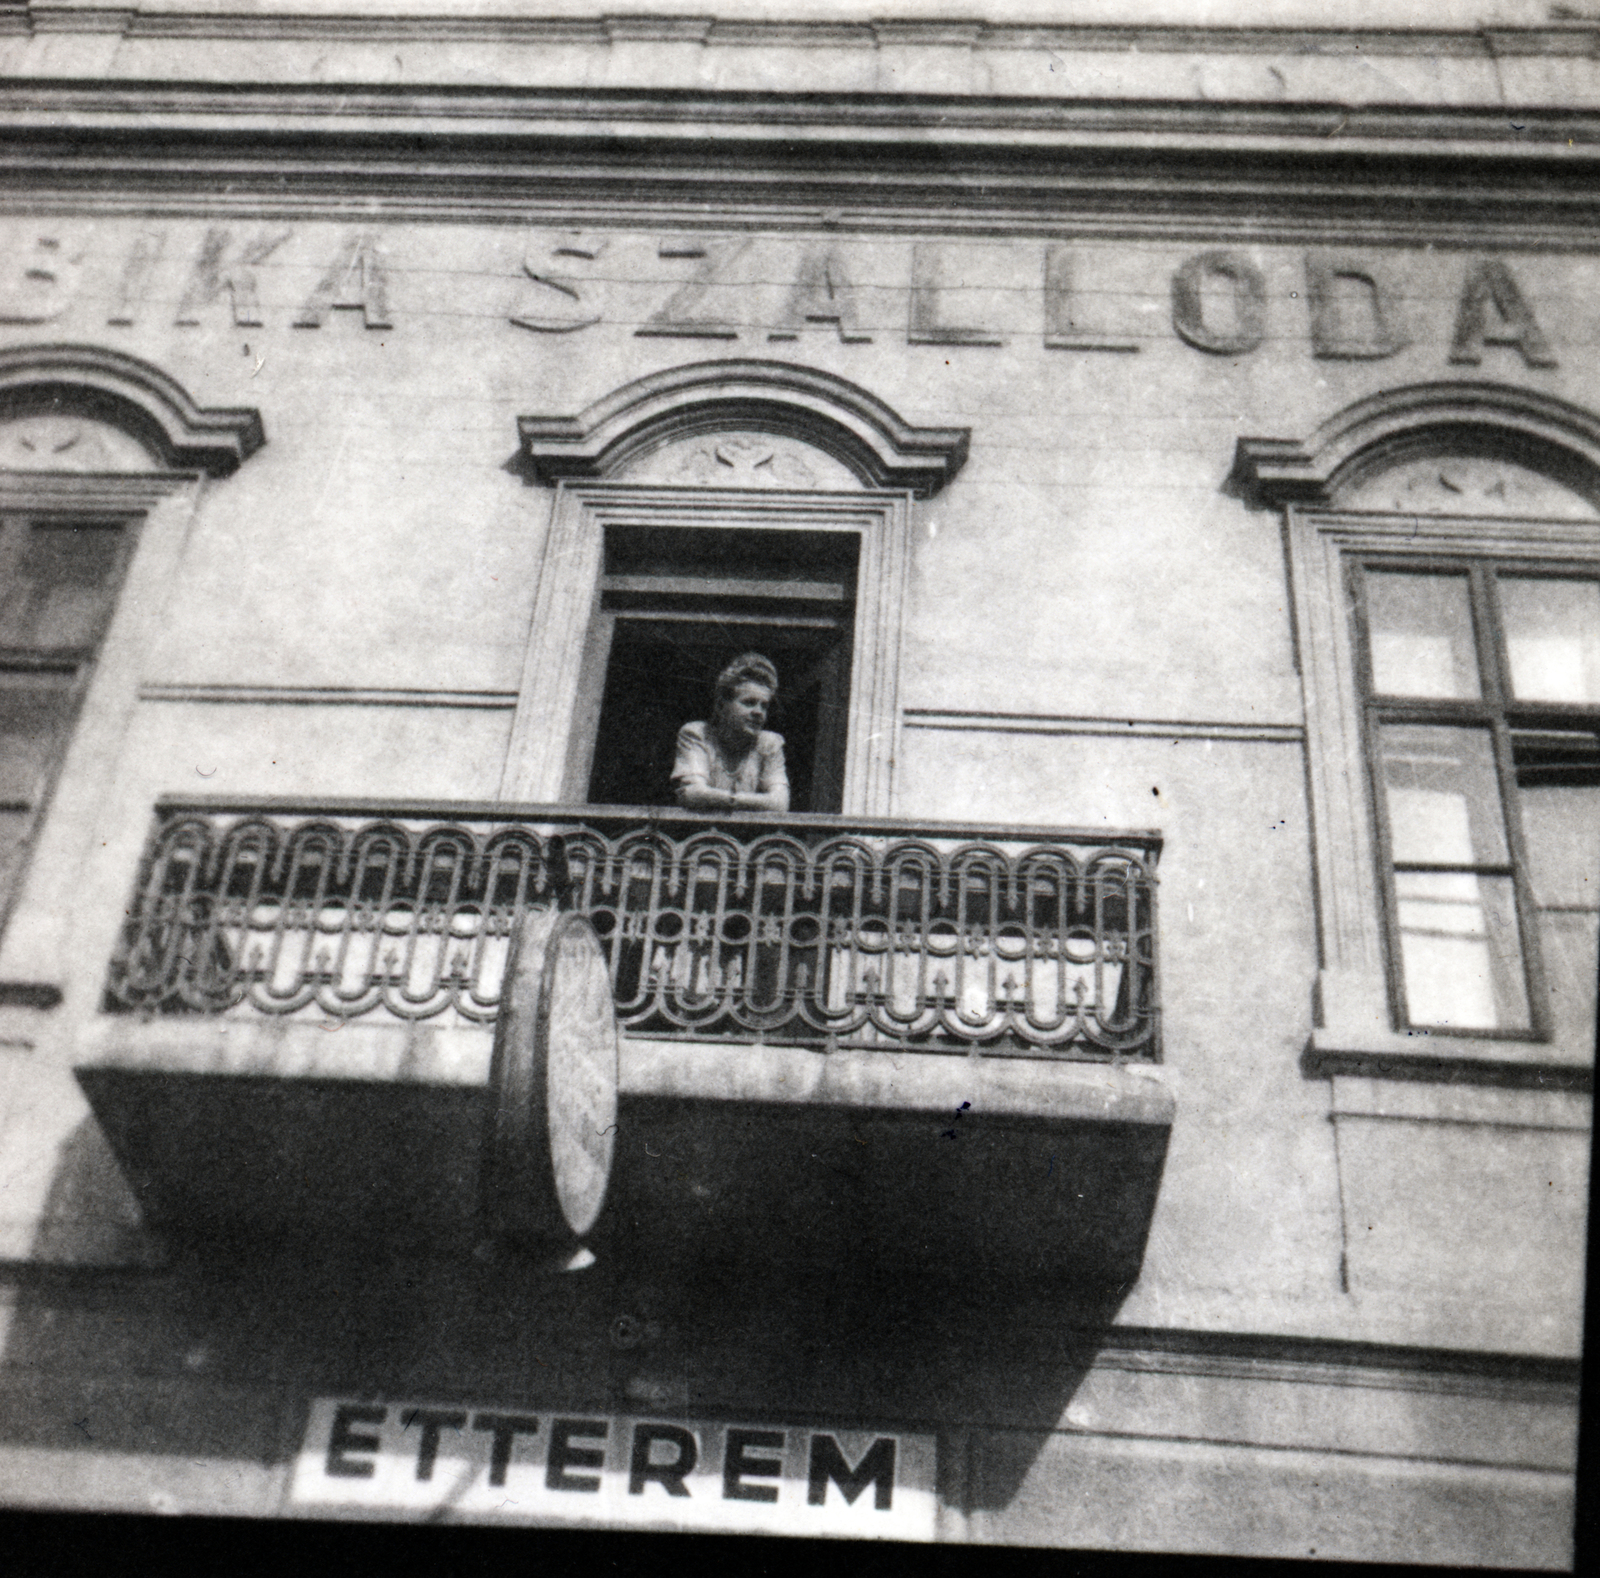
[671, 1475]
[876, 1468]
[432, 1421]
[563, 1454]
[342, 1440]
[506, 1428]
[738, 1465]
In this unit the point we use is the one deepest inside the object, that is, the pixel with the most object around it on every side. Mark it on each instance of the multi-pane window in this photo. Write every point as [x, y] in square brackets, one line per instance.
[1482, 699]
[58, 581]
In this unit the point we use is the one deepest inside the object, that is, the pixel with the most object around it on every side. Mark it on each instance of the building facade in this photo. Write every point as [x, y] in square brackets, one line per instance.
[1139, 1095]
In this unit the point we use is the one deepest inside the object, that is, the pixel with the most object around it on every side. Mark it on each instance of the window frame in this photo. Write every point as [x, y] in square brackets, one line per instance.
[1495, 709]
[1358, 1020]
[80, 661]
[540, 766]
[66, 880]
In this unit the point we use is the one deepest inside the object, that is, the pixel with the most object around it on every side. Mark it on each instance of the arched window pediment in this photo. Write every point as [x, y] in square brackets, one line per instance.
[790, 405]
[1456, 483]
[1390, 435]
[105, 390]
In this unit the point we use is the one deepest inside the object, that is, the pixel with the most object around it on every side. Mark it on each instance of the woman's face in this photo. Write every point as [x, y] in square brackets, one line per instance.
[743, 715]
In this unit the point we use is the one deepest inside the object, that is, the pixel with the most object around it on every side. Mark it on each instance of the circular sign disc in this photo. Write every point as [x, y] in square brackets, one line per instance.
[553, 1121]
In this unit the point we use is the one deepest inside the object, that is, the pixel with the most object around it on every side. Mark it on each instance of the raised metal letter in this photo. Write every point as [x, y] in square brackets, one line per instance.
[213, 274]
[821, 293]
[1249, 303]
[1490, 281]
[1334, 336]
[354, 279]
[1061, 331]
[563, 285]
[927, 283]
[674, 320]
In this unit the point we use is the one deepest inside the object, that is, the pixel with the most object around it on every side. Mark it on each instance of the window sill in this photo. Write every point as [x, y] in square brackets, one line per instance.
[1420, 1055]
[1408, 1101]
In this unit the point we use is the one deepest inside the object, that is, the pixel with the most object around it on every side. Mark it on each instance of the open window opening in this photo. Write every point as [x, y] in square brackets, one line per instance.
[673, 606]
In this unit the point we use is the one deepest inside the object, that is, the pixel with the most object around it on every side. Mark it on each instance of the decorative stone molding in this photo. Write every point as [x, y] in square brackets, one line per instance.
[64, 441]
[90, 381]
[743, 460]
[829, 413]
[1521, 425]
[1569, 34]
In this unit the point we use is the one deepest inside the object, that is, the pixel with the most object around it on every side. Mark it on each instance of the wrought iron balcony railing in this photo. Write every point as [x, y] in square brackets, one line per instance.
[799, 929]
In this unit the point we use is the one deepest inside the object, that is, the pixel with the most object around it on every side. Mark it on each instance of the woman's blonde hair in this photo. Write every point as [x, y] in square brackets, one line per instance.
[749, 668]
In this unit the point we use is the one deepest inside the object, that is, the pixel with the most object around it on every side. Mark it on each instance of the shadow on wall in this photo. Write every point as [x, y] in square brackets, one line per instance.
[777, 1264]
[90, 1214]
[789, 1291]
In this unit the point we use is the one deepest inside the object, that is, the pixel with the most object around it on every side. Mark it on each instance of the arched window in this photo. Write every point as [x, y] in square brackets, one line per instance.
[1444, 547]
[699, 513]
[92, 443]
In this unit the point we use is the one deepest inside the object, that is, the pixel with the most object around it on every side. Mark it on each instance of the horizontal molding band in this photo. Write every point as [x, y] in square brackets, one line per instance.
[1561, 133]
[1573, 39]
[1324, 1360]
[1133, 728]
[329, 696]
[1559, 1124]
[123, 193]
[1505, 1074]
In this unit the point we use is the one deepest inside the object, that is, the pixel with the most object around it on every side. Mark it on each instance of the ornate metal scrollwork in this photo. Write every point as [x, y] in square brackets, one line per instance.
[807, 930]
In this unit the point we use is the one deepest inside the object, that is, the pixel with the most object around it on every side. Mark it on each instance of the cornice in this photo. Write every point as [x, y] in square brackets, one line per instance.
[865, 163]
[946, 116]
[352, 108]
[1574, 38]
[717, 209]
[1313, 191]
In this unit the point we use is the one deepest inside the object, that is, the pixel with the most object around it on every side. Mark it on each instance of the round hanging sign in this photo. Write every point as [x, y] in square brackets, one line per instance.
[553, 1084]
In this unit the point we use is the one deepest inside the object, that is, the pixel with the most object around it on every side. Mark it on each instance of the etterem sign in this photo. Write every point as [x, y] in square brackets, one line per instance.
[523, 1466]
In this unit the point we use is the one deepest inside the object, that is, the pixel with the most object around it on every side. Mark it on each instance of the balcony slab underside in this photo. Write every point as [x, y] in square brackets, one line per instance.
[234, 1132]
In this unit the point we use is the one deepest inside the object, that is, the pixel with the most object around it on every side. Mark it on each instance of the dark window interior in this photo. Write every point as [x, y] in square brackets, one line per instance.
[676, 604]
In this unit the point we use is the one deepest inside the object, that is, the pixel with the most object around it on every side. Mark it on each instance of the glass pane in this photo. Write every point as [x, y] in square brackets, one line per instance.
[1569, 944]
[1443, 795]
[13, 829]
[1420, 629]
[1552, 637]
[1561, 829]
[1460, 952]
[32, 709]
[61, 591]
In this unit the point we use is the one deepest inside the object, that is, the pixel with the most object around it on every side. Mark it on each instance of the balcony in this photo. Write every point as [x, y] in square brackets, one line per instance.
[802, 930]
[803, 1000]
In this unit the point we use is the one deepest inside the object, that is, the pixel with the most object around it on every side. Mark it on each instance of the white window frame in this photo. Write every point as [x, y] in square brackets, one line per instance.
[1353, 1016]
[66, 902]
[547, 735]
